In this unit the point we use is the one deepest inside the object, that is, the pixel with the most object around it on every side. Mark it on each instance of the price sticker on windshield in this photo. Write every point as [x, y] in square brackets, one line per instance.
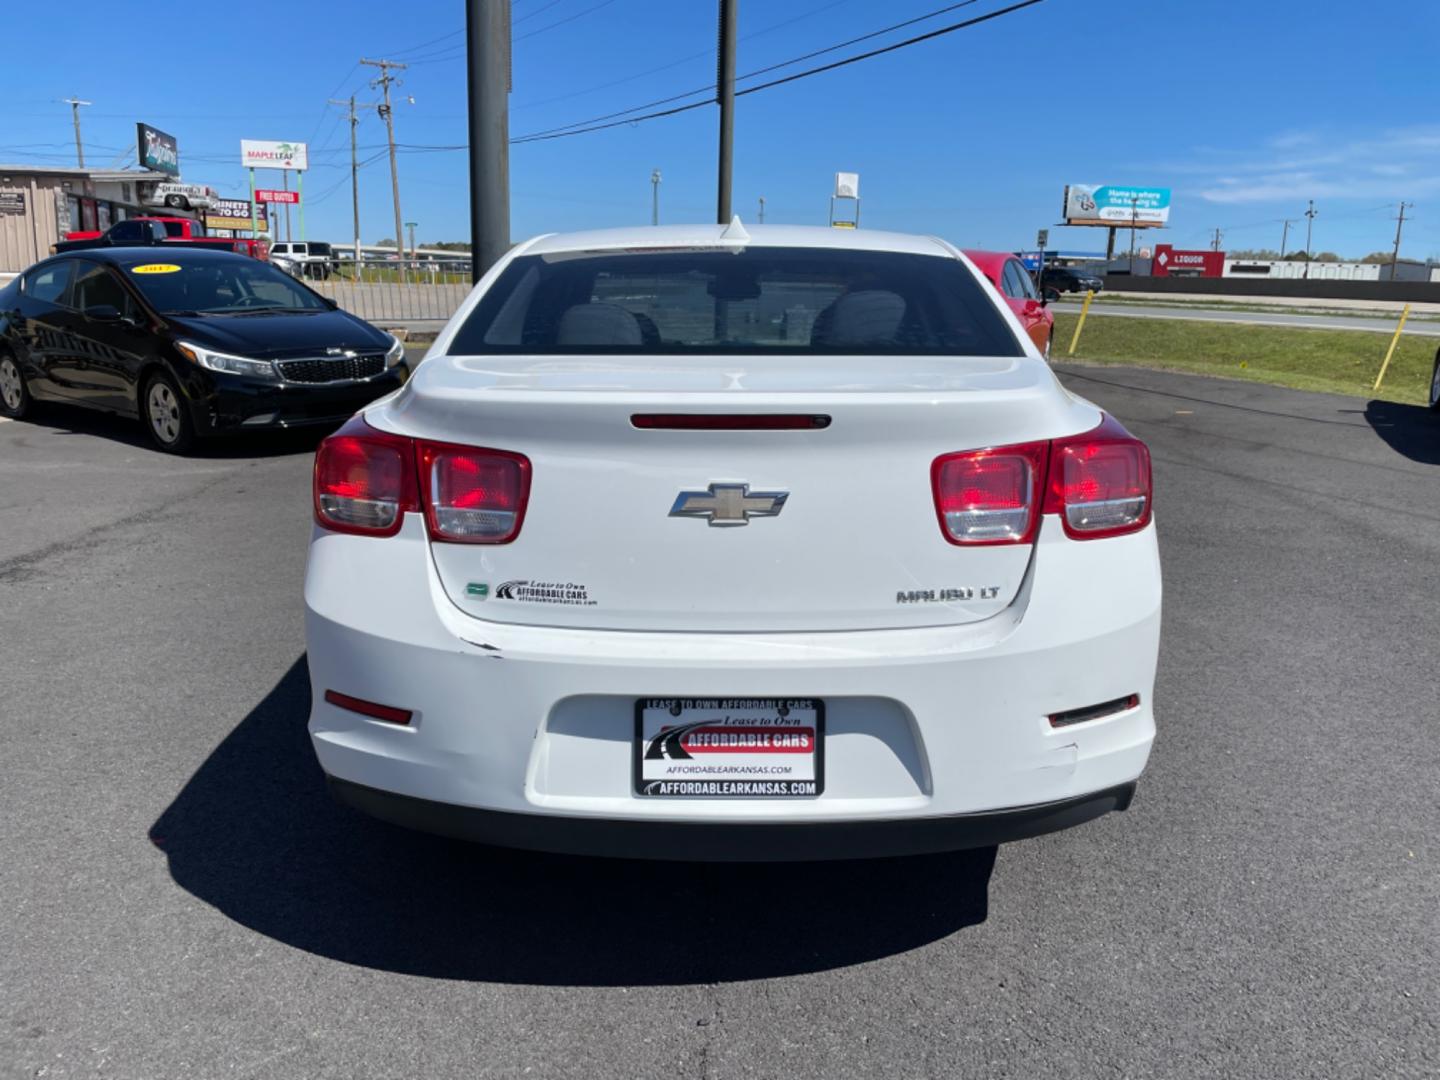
[155, 268]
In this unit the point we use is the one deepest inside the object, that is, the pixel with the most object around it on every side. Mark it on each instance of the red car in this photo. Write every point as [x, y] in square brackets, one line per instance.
[1008, 274]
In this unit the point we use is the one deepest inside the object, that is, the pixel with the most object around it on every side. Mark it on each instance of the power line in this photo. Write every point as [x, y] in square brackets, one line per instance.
[681, 62]
[560, 133]
[710, 89]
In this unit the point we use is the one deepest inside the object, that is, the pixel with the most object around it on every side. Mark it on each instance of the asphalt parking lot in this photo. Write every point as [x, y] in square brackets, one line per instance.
[182, 900]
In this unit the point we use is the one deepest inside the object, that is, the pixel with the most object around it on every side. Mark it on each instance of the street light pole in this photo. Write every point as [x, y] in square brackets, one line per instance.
[411, 226]
[75, 104]
[655, 197]
[1309, 221]
[487, 55]
[725, 95]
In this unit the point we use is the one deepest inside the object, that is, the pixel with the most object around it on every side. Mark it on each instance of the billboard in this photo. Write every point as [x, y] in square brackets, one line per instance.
[1108, 204]
[257, 154]
[234, 214]
[157, 150]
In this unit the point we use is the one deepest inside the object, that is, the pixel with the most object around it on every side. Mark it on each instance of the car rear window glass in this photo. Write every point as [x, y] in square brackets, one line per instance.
[174, 228]
[754, 300]
[49, 284]
[230, 287]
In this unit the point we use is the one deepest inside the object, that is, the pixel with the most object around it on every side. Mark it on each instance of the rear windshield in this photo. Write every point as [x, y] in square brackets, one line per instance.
[757, 300]
[177, 228]
[319, 249]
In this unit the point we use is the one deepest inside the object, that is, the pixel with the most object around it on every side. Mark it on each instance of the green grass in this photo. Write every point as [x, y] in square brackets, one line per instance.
[1333, 361]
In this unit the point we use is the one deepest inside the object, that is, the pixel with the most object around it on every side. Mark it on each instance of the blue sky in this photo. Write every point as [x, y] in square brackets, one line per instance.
[1246, 108]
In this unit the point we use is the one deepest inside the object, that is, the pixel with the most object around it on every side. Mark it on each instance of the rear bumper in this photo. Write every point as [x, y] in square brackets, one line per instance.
[729, 842]
[935, 737]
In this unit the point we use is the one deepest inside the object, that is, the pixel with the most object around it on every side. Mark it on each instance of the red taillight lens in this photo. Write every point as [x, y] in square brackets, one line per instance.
[1100, 482]
[473, 496]
[364, 480]
[990, 496]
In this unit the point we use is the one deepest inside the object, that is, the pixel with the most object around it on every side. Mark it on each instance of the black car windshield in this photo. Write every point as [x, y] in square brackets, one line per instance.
[772, 300]
[231, 287]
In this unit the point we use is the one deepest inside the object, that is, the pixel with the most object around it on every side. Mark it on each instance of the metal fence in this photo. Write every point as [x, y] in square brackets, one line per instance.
[402, 292]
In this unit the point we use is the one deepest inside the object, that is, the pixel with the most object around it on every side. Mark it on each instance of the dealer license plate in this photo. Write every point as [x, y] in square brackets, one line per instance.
[729, 748]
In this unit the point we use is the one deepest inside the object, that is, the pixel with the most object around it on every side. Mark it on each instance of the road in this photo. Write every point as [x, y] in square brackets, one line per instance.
[182, 901]
[1418, 327]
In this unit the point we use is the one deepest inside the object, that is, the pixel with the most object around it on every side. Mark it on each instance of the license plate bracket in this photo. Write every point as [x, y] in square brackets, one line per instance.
[729, 748]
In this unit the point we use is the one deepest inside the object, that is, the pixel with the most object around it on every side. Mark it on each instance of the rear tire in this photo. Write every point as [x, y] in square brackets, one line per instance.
[1435, 384]
[15, 400]
[165, 414]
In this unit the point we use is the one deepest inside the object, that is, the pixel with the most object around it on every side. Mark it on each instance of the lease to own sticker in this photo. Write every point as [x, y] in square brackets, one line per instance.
[155, 268]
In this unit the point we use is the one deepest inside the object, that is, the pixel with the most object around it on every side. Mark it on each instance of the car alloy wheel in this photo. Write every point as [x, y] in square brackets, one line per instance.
[12, 389]
[1435, 384]
[166, 415]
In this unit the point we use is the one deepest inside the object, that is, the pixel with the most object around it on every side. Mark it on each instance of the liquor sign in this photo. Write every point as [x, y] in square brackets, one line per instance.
[1171, 263]
[268, 195]
[157, 150]
[235, 214]
[257, 154]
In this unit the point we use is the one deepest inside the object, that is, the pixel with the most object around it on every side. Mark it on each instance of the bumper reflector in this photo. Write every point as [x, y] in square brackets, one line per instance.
[1094, 712]
[388, 713]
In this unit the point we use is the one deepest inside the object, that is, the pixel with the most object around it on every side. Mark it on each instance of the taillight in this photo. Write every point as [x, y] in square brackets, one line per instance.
[1100, 482]
[473, 496]
[364, 480]
[990, 496]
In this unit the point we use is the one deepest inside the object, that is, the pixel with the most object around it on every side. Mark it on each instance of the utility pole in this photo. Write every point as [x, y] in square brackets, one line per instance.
[725, 96]
[1399, 224]
[75, 104]
[762, 209]
[1215, 244]
[411, 225]
[487, 57]
[655, 197]
[383, 80]
[354, 175]
[1285, 234]
[1309, 222]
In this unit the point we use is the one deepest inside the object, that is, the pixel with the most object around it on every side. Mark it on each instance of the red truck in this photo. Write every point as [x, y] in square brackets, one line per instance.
[145, 231]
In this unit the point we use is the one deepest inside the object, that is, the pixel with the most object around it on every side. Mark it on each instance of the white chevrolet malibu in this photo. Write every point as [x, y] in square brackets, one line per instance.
[721, 544]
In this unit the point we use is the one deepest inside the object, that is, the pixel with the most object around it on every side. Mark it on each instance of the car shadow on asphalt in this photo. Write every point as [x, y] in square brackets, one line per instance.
[53, 418]
[255, 834]
[1411, 430]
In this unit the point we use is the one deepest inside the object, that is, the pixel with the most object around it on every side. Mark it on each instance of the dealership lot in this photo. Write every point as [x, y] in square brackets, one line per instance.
[183, 900]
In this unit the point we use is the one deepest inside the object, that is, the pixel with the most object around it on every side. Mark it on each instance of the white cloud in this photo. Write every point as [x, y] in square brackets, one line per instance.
[1394, 164]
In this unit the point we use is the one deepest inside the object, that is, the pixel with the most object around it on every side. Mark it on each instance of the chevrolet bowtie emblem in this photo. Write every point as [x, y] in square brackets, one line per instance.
[729, 504]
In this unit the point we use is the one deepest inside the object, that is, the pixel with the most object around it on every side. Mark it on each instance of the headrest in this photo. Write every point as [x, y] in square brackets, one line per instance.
[597, 324]
[867, 317]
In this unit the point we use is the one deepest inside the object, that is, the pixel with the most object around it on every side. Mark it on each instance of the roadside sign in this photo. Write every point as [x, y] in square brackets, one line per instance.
[1042, 238]
[157, 150]
[260, 154]
[12, 202]
[269, 195]
[234, 214]
[1115, 206]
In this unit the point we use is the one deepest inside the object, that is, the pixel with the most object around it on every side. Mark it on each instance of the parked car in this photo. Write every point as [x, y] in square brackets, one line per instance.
[154, 231]
[699, 542]
[1008, 274]
[1065, 279]
[191, 342]
[313, 258]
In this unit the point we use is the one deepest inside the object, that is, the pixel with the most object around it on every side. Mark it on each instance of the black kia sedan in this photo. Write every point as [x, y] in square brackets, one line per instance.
[190, 342]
